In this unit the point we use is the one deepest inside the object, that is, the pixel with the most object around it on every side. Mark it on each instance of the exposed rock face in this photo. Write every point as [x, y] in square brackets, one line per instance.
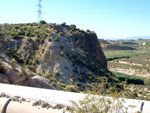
[90, 44]
[55, 59]
[86, 41]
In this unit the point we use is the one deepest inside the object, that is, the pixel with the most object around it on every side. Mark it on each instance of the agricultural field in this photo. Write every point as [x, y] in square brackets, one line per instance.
[130, 62]
[118, 54]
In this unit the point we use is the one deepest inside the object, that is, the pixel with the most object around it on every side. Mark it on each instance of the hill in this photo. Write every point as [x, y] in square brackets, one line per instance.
[51, 56]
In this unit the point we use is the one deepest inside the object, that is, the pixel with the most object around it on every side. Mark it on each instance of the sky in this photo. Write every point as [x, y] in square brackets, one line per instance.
[110, 19]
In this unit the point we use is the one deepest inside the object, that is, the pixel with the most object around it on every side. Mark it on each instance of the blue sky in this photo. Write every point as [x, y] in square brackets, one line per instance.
[108, 18]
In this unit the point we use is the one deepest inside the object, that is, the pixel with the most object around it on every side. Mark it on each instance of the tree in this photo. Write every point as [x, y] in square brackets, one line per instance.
[42, 22]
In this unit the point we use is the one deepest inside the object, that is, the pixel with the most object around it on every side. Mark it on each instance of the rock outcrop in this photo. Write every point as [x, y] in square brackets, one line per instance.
[4, 79]
[86, 41]
[69, 55]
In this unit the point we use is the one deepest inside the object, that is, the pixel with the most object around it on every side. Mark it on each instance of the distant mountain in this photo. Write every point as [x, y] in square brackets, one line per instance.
[138, 37]
[128, 38]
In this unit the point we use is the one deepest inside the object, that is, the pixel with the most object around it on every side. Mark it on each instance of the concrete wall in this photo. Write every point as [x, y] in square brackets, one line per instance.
[62, 97]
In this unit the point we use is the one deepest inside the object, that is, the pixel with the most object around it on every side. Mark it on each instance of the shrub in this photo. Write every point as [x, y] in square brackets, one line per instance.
[62, 84]
[28, 39]
[16, 36]
[62, 53]
[37, 39]
[72, 49]
[82, 30]
[80, 78]
[32, 67]
[16, 27]
[12, 63]
[53, 83]
[55, 31]
[25, 28]
[53, 79]
[31, 35]
[49, 39]
[71, 88]
[27, 34]
[39, 73]
[88, 30]
[57, 38]
[76, 32]
[21, 32]
[72, 26]
[48, 75]
[42, 40]
[62, 47]
[60, 33]
[96, 103]
[63, 24]
[42, 22]
[57, 74]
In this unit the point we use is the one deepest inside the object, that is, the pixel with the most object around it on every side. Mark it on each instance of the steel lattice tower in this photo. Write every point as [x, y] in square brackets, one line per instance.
[39, 11]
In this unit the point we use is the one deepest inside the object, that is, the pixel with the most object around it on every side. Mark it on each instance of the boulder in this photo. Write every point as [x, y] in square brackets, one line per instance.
[40, 82]
[13, 75]
[3, 79]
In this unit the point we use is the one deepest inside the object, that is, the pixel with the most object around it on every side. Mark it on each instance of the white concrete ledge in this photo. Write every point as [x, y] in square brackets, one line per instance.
[3, 104]
[62, 97]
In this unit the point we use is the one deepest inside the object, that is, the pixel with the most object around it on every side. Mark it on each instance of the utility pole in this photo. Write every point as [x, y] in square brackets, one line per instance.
[39, 11]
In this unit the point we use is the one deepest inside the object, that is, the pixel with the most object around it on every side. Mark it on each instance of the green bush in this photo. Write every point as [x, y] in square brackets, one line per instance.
[62, 84]
[88, 30]
[63, 24]
[94, 102]
[57, 38]
[57, 74]
[53, 83]
[37, 39]
[16, 27]
[31, 35]
[55, 31]
[39, 73]
[76, 32]
[53, 79]
[42, 22]
[62, 47]
[72, 26]
[42, 40]
[60, 33]
[72, 88]
[28, 39]
[32, 67]
[49, 39]
[21, 32]
[62, 53]
[48, 75]
[131, 79]
[12, 63]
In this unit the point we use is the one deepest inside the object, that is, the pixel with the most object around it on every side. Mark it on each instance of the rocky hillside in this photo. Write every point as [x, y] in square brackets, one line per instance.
[51, 56]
